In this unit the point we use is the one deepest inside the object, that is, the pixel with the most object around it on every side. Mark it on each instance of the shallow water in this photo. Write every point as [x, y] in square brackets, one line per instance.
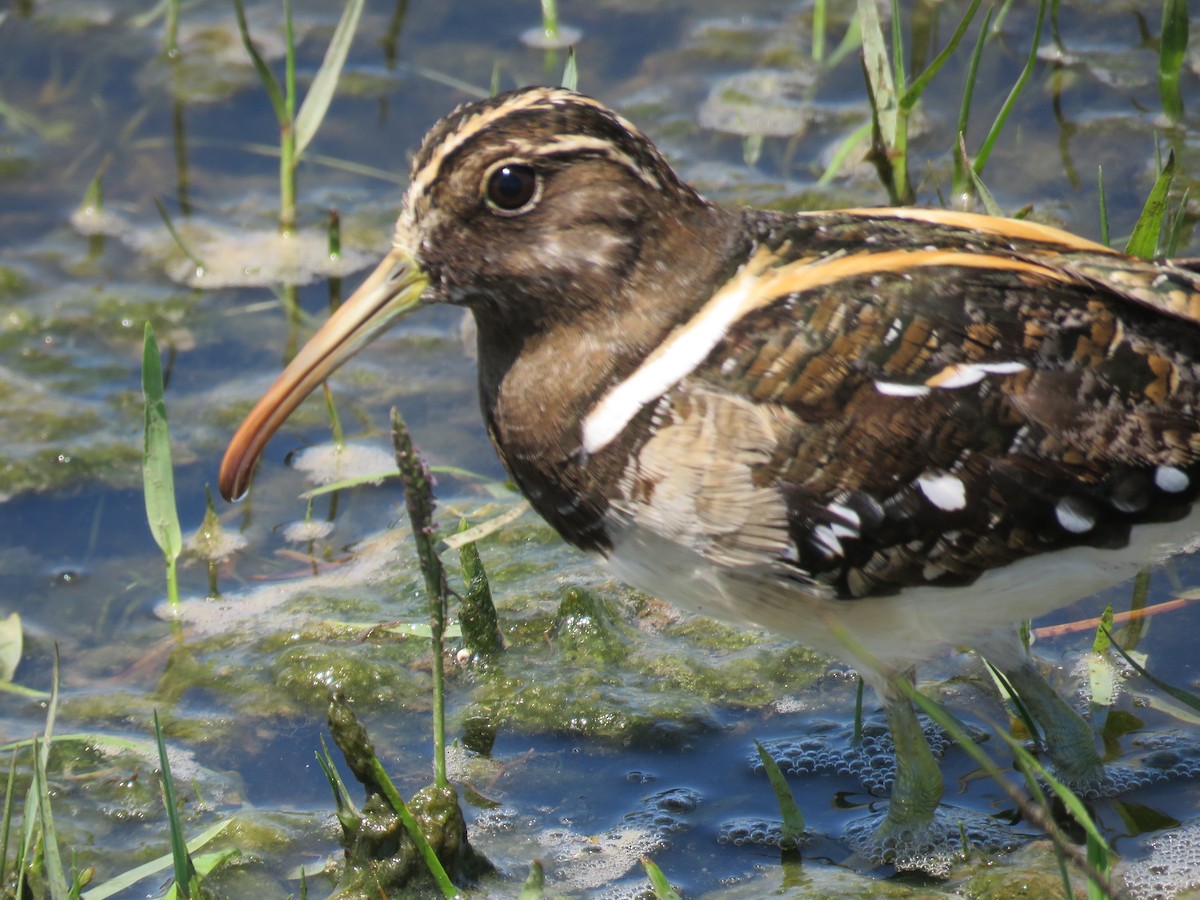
[610, 729]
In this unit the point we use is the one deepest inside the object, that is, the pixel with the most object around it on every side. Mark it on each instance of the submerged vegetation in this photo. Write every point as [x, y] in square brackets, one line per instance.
[369, 626]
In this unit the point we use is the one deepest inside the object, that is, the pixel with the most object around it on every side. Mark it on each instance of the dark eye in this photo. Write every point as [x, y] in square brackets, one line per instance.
[512, 187]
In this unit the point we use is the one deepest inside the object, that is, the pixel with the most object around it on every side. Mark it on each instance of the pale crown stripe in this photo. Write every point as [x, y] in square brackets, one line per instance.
[472, 126]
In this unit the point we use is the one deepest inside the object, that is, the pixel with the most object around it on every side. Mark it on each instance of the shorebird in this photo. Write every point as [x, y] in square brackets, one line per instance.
[880, 432]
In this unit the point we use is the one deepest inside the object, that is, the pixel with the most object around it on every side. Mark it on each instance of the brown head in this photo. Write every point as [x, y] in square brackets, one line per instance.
[533, 209]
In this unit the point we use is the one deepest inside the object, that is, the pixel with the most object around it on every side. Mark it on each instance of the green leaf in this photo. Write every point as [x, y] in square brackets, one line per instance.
[165, 215]
[1144, 239]
[11, 646]
[662, 887]
[204, 865]
[185, 870]
[990, 206]
[127, 879]
[793, 819]
[37, 799]
[7, 815]
[1103, 206]
[477, 611]
[1187, 699]
[1171, 51]
[535, 883]
[157, 475]
[324, 83]
[850, 42]
[913, 93]
[1101, 642]
[993, 135]
[962, 162]
[878, 69]
[570, 77]
[269, 82]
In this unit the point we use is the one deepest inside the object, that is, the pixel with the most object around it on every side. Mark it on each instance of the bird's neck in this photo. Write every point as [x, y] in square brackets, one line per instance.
[538, 385]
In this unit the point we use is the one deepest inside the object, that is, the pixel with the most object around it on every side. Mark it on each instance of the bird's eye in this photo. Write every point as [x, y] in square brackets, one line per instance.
[512, 188]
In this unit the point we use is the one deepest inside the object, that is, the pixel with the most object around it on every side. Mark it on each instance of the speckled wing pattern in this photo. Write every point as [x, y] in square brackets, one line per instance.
[915, 402]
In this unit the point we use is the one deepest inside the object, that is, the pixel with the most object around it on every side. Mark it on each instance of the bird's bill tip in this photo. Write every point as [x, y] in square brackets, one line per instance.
[390, 292]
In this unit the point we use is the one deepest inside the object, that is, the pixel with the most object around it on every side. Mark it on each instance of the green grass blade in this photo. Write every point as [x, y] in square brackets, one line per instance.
[419, 502]
[325, 82]
[484, 529]
[413, 828]
[898, 73]
[269, 82]
[1101, 641]
[477, 611]
[535, 883]
[1172, 49]
[848, 145]
[1187, 699]
[818, 30]
[37, 809]
[51, 861]
[1144, 240]
[985, 149]
[878, 69]
[793, 818]
[185, 871]
[850, 42]
[1173, 234]
[1103, 206]
[570, 76]
[962, 162]
[6, 820]
[658, 881]
[346, 811]
[289, 66]
[157, 475]
[11, 648]
[126, 880]
[204, 865]
[1055, 32]
[550, 18]
[990, 206]
[886, 129]
[913, 93]
[175, 235]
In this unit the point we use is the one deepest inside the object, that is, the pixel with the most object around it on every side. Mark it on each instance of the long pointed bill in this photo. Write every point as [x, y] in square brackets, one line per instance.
[389, 293]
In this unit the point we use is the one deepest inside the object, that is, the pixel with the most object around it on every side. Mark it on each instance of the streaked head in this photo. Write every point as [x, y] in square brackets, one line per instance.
[531, 208]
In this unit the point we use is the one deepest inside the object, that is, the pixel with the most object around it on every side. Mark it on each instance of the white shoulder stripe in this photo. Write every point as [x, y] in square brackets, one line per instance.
[762, 280]
[677, 357]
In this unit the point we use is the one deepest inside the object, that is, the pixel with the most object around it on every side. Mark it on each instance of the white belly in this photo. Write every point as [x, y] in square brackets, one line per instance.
[897, 631]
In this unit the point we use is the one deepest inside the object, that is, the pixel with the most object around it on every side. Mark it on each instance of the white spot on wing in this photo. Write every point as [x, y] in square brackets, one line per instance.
[1002, 368]
[946, 492]
[965, 374]
[846, 514]
[893, 332]
[827, 540]
[893, 389]
[1072, 517]
[957, 376]
[1170, 479]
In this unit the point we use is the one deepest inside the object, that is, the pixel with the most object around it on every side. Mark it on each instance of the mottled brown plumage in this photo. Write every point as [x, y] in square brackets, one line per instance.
[912, 426]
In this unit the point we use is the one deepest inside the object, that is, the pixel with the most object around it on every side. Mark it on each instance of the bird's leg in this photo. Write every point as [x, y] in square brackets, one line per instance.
[917, 789]
[1069, 740]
